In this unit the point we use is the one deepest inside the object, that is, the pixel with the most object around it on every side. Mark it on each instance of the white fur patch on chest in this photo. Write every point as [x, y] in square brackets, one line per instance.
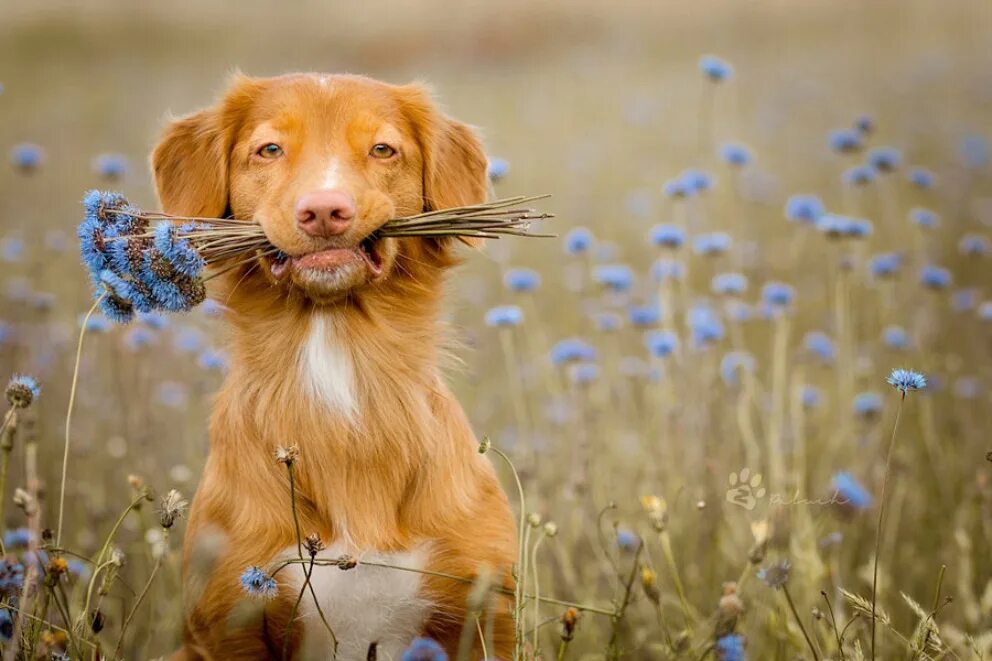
[364, 605]
[327, 371]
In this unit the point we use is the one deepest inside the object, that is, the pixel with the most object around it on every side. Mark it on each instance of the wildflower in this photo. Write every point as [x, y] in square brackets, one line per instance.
[712, 244]
[935, 277]
[738, 311]
[666, 269]
[733, 363]
[138, 338]
[906, 380]
[777, 294]
[804, 208]
[11, 578]
[885, 159]
[497, 168]
[550, 528]
[729, 284]
[885, 264]
[424, 649]
[924, 218]
[661, 344]
[810, 396]
[584, 373]
[6, 625]
[735, 154]
[676, 189]
[864, 124]
[845, 141]
[313, 544]
[256, 583]
[578, 241]
[643, 316]
[504, 316]
[18, 538]
[287, 455]
[895, 337]
[964, 299]
[667, 236]
[705, 326]
[568, 621]
[22, 390]
[820, 345]
[922, 178]
[212, 360]
[97, 323]
[697, 181]
[867, 404]
[27, 157]
[730, 647]
[974, 245]
[715, 69]
[985, 311]
[212, 308]
[849, 490]
[608, 322]
[522, 280]
[173, 506]
[627, 540]
[617, 277]
[776, 575]
[12, 249]
[859, 175]
[122, 297]
[57, 566]
[572, 350]
[110, 166]
[649, 582]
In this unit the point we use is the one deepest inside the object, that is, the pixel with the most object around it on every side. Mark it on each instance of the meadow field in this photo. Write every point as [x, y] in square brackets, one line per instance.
[762, 209]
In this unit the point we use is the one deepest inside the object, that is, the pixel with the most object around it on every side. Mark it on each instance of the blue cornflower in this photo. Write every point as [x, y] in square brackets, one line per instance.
[974, 151]
[617, 277]
[733, 363]
[584, 373]
[985, 311]
[676, 188]
[712, 244]
[178, 251]
[820, 345]
[665, 269]
[120, 298]
[17, 538]
[504, 316]
[256, 583]
[730, 647]
[697, 181]
[27, 157]
[497, 168]
[93, 244]
[170, 291]
[845, 140]
[153, 320]
[729, 284]
[922, 178]
[11, 578]
[924, 217]
[859, 175]
[974, 245]
[738, 311]
[935, 277]
[864, 124]
[895, 337]
[424, 649]
[572, 350]
[110, 166]
[715, 69]
[906, 380]
[859, 228]
[627, 540]
[522, 280]
[6, 625]
[578, 241]
[885, 264]
[735, 153]
[885, 159]
[97, 323]
[705, 326]
[810, 396]
[188, 340]
[78, 568]
[12, 249]
[212, 360]
[661, 343]
[112, 210]
[804, 208]
[22, 390]
[833, 225]
[608, 322]
[867, 404]
[777, 294]
[138, 338]
[667, 236]
[642, 316]
[847, 488]
[964, 300]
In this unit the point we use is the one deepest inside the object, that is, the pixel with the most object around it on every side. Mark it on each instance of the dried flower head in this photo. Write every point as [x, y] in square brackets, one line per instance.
[313, 544]
[57, 566]
[22, 390]
[173, 506]
[776, 575]
[287, 455]
[568, 621]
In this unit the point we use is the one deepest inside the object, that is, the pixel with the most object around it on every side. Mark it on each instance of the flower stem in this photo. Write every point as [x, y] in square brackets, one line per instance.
[799, 621]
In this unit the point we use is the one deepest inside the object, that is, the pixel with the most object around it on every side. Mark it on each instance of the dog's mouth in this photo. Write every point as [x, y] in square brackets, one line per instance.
[329, 260]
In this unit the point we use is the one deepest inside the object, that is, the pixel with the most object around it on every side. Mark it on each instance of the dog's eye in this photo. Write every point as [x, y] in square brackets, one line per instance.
[382, 150]
[270, 150]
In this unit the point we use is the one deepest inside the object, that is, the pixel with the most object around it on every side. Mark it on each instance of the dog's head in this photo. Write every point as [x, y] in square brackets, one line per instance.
[322, 162]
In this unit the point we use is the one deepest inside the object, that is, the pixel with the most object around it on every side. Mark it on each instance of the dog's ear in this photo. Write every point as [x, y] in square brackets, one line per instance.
[190, 162]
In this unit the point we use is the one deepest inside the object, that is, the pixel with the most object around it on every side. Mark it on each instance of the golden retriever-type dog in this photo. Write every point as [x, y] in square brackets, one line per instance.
[334, 349]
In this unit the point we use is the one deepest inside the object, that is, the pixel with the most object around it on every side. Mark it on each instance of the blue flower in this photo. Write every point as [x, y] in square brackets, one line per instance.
[974, 151]
[617, 277]
[178, 251]
[974, 245]
[667, 236]
[522, 280]
[661, 343]
[735, 153]
[27, 157]
[729, 284]
[864, 124]
[924, 217]
[665, 269]
[885, 264]
[572, 350]
[845, 140]
[777, 294]
[810, 396]
[607, 322]
[12, 249]
[504, 316]
[121, 298]
[859, 175]
[712, 244]
[859, 228]
[705, 326]
[935, 277]
[697, 181]
[895, 337]
[110, 166]
[584, 373]
[738, 311]
[113, 211]
[424, 649]
[733, 363]
[922, 178]
[730, 647]
[804, 208]
[17, 538]
[627, 540]
[676, 188]
[867, 404]
[849, 490]
[6, 625]
[11, 578]
[964, 299]
[715, 69]
[212, 308]
[22, 390]
[188, 340]
[820, 345]
[578, 241]
[906, 380]
[885, 159]
[985, 311]
[153, 320]
[256, 583]
[170, 290]
[497, 168]
[97, 323]
[642, 316]
[212, 360]
[138, 338]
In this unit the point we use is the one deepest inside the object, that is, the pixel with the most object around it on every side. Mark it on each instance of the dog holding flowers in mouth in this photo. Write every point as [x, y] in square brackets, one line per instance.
[335, 345]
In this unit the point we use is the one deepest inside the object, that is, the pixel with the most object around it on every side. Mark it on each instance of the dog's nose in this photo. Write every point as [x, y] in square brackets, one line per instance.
[325, 213]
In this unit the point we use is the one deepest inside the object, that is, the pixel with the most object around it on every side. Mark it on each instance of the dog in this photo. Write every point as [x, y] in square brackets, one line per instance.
[335, 346]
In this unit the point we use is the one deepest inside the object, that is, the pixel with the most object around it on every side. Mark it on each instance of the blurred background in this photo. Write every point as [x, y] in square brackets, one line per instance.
[605, 106]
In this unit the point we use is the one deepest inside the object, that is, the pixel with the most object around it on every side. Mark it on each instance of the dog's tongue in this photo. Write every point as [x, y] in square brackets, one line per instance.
[327, 259]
